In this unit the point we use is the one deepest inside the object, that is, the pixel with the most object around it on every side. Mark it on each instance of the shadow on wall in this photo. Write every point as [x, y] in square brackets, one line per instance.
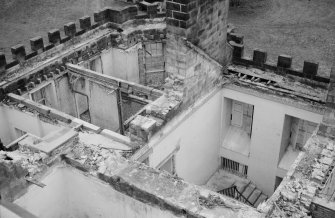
[13, 125]
[69, 193]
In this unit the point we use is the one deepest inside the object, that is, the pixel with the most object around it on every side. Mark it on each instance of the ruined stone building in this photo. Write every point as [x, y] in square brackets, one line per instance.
[151, 109]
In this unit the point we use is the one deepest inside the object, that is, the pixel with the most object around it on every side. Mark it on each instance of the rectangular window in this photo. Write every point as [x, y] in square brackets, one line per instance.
[82, 103]
[242, 116]
[154, 57]
[295, 134]
[92, 65]
[169, 165]
[277, 182]
[301, 131]
[237, 114]
[39, 96]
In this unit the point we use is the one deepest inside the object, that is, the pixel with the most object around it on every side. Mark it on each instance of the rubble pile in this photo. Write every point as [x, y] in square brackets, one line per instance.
[18, 166]
[142, 128]
[295, 198]
[324, 165]
[307, 181]
[95, 158]
[33, 162]
[213, 201]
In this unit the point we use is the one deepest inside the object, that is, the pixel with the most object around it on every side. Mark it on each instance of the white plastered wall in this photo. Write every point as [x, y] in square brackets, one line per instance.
[266, 138]
[69, 193]
[119, 63]
[198, 135]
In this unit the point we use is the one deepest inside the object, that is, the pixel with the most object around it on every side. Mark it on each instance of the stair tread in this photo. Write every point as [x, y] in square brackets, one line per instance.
[254, 196]
[262, 198]
[247, 192]
[240, 185]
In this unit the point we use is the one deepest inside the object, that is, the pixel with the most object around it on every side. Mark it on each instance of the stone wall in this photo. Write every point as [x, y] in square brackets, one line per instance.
[193, 74]
[152, 63]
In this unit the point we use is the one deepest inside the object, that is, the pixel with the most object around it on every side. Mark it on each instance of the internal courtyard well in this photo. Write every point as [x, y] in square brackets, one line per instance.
[227, 129]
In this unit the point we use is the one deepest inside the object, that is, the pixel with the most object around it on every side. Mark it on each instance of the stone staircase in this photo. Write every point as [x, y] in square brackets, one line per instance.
[245, 192]
[236, 186]
[252, 193]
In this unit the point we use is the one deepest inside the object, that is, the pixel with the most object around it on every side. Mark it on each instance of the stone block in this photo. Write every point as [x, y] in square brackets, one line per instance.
[98, 17]
[54, 36]
[152, 9]
[105, 14]
[85, 23]
[238, 50]
[18, 52]
[284, 61]
[310, 69]
[180, 16]
[142, 127]
[172, 6]
[3, 62]
[117, 17]
[37, 44]
[70, 29]
[259, 57]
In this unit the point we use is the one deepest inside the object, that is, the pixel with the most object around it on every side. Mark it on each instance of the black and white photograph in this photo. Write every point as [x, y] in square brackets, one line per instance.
[167, 108]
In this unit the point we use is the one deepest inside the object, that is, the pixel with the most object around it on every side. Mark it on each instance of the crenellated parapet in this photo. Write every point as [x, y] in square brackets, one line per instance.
[309, 73]
[52, 64]
[118, 14]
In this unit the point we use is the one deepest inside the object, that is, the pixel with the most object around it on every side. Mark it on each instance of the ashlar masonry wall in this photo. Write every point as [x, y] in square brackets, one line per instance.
[202, 22]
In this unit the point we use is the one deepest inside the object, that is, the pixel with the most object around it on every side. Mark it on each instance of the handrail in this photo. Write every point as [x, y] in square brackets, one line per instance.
[234, 193]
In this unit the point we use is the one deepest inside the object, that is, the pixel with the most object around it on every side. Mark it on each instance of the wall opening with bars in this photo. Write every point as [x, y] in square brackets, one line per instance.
[234, 167]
